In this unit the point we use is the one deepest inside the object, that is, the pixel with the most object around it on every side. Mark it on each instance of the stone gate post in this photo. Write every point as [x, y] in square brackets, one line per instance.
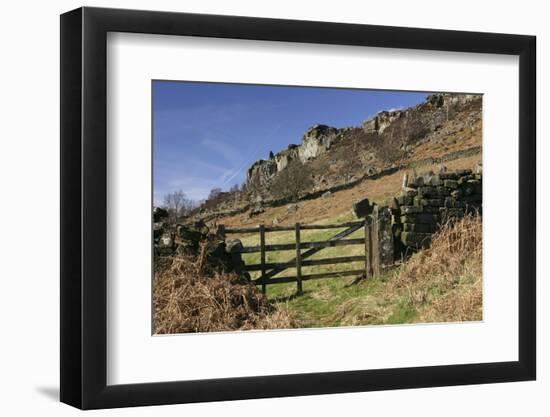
[382, 242]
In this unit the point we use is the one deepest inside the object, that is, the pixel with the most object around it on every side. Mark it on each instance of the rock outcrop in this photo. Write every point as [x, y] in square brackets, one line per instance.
[316, 141]
[413, 123]
[381, 140]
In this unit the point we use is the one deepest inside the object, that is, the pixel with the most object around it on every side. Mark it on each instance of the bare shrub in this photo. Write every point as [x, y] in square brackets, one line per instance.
[444, 282]
[190, 296]
[177, 204]
[217, 198]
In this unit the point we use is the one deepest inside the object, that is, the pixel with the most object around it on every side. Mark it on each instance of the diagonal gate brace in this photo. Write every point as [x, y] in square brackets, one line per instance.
[312, 251]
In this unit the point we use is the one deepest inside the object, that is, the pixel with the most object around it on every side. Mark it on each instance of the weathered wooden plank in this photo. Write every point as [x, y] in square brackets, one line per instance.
[283, 280]
[312, 262]
[304, 245]
[242, 230]
[329, 226]
[291, 228]
[298, 261]
[262, 256]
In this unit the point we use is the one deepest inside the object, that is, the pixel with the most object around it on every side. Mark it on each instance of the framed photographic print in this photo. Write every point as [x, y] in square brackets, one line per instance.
[257, 208]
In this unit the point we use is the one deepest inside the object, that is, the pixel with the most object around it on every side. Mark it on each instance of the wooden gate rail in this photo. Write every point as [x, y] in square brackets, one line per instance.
[283, 280]
[303, 245]
[299, 261]
[292, 228]
[314, 262]
[311, 252]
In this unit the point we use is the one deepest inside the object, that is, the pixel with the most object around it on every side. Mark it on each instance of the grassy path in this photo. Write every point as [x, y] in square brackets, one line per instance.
[333, 301]
[340, 302]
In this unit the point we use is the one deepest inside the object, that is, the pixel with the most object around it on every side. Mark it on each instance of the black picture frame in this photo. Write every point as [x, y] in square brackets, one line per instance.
[84, 207]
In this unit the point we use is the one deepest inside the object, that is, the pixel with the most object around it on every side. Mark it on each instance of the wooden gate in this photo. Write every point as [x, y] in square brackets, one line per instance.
[268, 271]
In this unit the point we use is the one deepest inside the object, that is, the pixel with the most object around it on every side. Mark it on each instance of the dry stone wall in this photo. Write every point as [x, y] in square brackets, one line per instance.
[190, 239]
[428, 201]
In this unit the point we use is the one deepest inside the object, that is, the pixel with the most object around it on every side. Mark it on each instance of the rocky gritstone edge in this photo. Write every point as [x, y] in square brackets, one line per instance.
[346, 186]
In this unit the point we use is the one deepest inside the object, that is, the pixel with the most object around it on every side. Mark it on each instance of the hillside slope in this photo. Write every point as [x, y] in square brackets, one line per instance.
[356, 162]
[442, 124]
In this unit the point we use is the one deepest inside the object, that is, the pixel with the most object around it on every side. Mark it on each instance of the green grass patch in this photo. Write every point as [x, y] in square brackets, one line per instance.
[329, 302]
[342, 302]
[346, 301]
[403, 312]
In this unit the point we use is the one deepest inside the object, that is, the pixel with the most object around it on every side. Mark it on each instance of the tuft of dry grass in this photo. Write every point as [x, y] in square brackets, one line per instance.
[356, 311]
[444, 282]
[189, 296]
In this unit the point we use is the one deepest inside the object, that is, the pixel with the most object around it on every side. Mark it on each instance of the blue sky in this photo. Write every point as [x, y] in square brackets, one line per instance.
[206, 135]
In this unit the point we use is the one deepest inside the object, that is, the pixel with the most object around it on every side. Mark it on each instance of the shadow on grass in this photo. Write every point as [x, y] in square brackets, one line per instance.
[286, 298]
